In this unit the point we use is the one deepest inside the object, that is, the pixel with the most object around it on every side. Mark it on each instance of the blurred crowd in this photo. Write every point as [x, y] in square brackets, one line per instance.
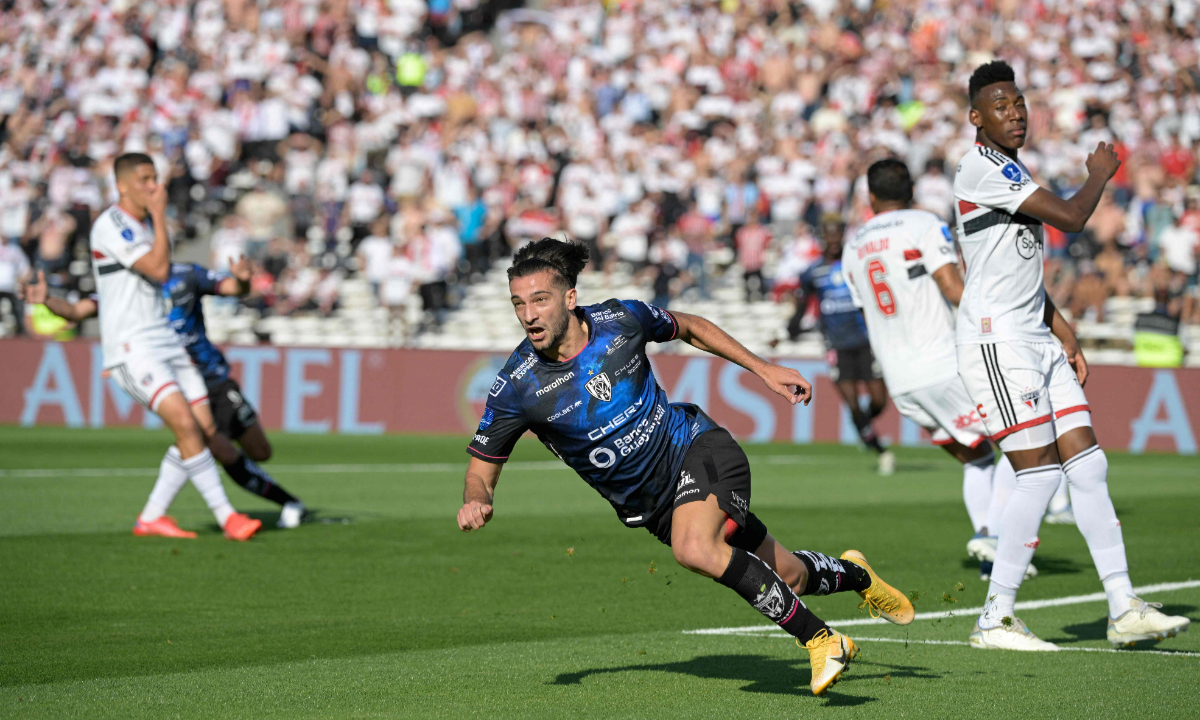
[697, 144]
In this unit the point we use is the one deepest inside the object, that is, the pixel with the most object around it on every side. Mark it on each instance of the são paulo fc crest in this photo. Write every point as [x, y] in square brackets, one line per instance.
[600, 387]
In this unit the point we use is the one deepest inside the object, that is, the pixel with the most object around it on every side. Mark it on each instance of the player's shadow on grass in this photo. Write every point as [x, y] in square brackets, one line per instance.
[1098, 629]
[764, 674]
[1045, 564]
[269, 519]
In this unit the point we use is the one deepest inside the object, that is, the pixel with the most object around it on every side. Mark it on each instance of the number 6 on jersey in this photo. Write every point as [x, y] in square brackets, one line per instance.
[876, 271]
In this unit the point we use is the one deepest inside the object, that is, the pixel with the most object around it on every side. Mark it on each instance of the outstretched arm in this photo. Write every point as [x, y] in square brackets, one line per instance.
[37, 293]
[479, 488]
[700, 333]
[1071, 215]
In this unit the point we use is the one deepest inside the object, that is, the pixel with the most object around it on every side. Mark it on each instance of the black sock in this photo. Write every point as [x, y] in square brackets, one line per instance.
[249, 475]
[750, 577]
[865, 430]
[828, 575]
[874, 411]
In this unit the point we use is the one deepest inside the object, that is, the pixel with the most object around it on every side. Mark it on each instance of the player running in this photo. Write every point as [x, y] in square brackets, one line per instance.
[131, 258]
[232, 416]
[1027, 390]
[901, 268]
[850, 358]
[582, 383]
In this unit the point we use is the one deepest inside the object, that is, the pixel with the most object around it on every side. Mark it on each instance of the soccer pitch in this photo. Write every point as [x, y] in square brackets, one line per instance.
[382, 608]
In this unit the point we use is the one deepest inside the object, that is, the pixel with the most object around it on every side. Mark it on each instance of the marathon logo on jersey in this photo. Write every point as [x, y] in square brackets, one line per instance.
[1031, 398]
[985, 325]
[487, 418]
[685, 479]
[600, 387]
[497, 386]
[616, 343]
[607, 316]
[555, 384]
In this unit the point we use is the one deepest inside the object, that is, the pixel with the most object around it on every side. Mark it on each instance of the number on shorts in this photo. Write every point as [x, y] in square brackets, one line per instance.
[876, 271]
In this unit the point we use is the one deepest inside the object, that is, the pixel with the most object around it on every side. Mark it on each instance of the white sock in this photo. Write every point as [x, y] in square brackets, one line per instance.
[1004, 481]
[203, 472]
[1087, 473]
[1061, 500]
[999, 605]
[1020, 522]
[171, 478]
[977, 489]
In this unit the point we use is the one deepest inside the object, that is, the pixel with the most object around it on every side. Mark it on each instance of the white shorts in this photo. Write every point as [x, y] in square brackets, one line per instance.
[1027, 394]
[150, 377]
[946, 411]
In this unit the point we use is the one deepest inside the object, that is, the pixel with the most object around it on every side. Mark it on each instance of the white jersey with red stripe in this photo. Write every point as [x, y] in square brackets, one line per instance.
[133, 314]
[888, 267]
[1003, 298]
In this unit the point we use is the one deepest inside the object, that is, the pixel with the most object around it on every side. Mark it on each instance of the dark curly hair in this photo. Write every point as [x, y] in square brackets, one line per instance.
[566, 258]
[997, 71]
[890, 181]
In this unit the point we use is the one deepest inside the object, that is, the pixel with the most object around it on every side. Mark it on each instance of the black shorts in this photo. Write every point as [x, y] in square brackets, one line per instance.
[232, 414]
[856, 364]
[715, 465]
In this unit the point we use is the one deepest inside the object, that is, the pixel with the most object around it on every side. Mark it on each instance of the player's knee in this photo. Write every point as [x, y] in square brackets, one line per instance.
[697, 554]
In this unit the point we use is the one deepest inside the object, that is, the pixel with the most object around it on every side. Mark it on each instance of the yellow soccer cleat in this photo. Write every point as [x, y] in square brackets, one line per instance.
[829, 654]
[881, 599]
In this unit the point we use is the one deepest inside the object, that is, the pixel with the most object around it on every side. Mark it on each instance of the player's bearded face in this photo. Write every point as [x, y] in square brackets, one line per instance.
[543, 307]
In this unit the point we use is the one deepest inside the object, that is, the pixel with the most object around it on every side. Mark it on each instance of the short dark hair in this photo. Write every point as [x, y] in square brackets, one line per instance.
[889, 180]
[566, 258]
[129, 161]
[997, 71]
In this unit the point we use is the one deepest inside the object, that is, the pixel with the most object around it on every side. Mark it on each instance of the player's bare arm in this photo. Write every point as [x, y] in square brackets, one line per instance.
[239, 281]
[37, 293]
[156, 264]
[1062, 330]
[703, 334]
[1072, 214]
[949, 281]
[479, 487]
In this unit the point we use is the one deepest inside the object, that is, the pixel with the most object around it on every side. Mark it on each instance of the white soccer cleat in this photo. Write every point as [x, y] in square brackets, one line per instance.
[1013, 636]
[291, 515]
[1143, 621]
[983, 549]
[1061, 517]
[887, 463]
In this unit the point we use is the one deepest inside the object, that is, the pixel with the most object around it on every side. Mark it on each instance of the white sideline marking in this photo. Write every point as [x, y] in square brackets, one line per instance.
[1025, 605]
[1168, 653]
[338, 469]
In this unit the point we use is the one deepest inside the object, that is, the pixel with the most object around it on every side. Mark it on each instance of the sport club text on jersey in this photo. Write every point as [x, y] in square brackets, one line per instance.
[183, 291]
[602, 412]
[889, 266]
[1004, 296]
[841, 321]
[133, 317]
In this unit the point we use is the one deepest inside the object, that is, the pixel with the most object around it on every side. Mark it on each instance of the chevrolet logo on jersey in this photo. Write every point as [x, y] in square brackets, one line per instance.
[600, 387]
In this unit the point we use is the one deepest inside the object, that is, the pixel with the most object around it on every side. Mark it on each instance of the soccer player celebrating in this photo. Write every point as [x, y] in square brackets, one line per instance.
[232, 416]
[582, 383]
[901, 268]
[850, 358]
[1026, 388]
[131, 258]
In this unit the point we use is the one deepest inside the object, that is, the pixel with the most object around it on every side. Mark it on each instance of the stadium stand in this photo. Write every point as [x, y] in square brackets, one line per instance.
[379, 159]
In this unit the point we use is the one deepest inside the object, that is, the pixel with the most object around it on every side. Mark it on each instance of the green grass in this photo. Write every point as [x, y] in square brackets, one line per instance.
[382, 608]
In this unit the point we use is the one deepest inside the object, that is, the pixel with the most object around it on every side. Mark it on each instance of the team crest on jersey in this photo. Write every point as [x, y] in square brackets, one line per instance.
[600, 387]
[1031, 397]
[127, 234]
[1012, 172]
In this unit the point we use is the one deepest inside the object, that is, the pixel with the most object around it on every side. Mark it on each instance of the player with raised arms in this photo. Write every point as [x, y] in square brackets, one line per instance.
[233, 418]
[1026, 388]
[582, 383]
[131, 259]
[901, 268]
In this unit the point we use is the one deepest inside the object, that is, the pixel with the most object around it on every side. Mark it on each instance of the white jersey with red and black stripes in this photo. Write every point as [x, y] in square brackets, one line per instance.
[133, 316]
[1003, 298]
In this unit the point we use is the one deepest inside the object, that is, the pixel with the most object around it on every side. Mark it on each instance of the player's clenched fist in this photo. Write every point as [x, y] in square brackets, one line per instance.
[474, 515]
[1103, 160]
